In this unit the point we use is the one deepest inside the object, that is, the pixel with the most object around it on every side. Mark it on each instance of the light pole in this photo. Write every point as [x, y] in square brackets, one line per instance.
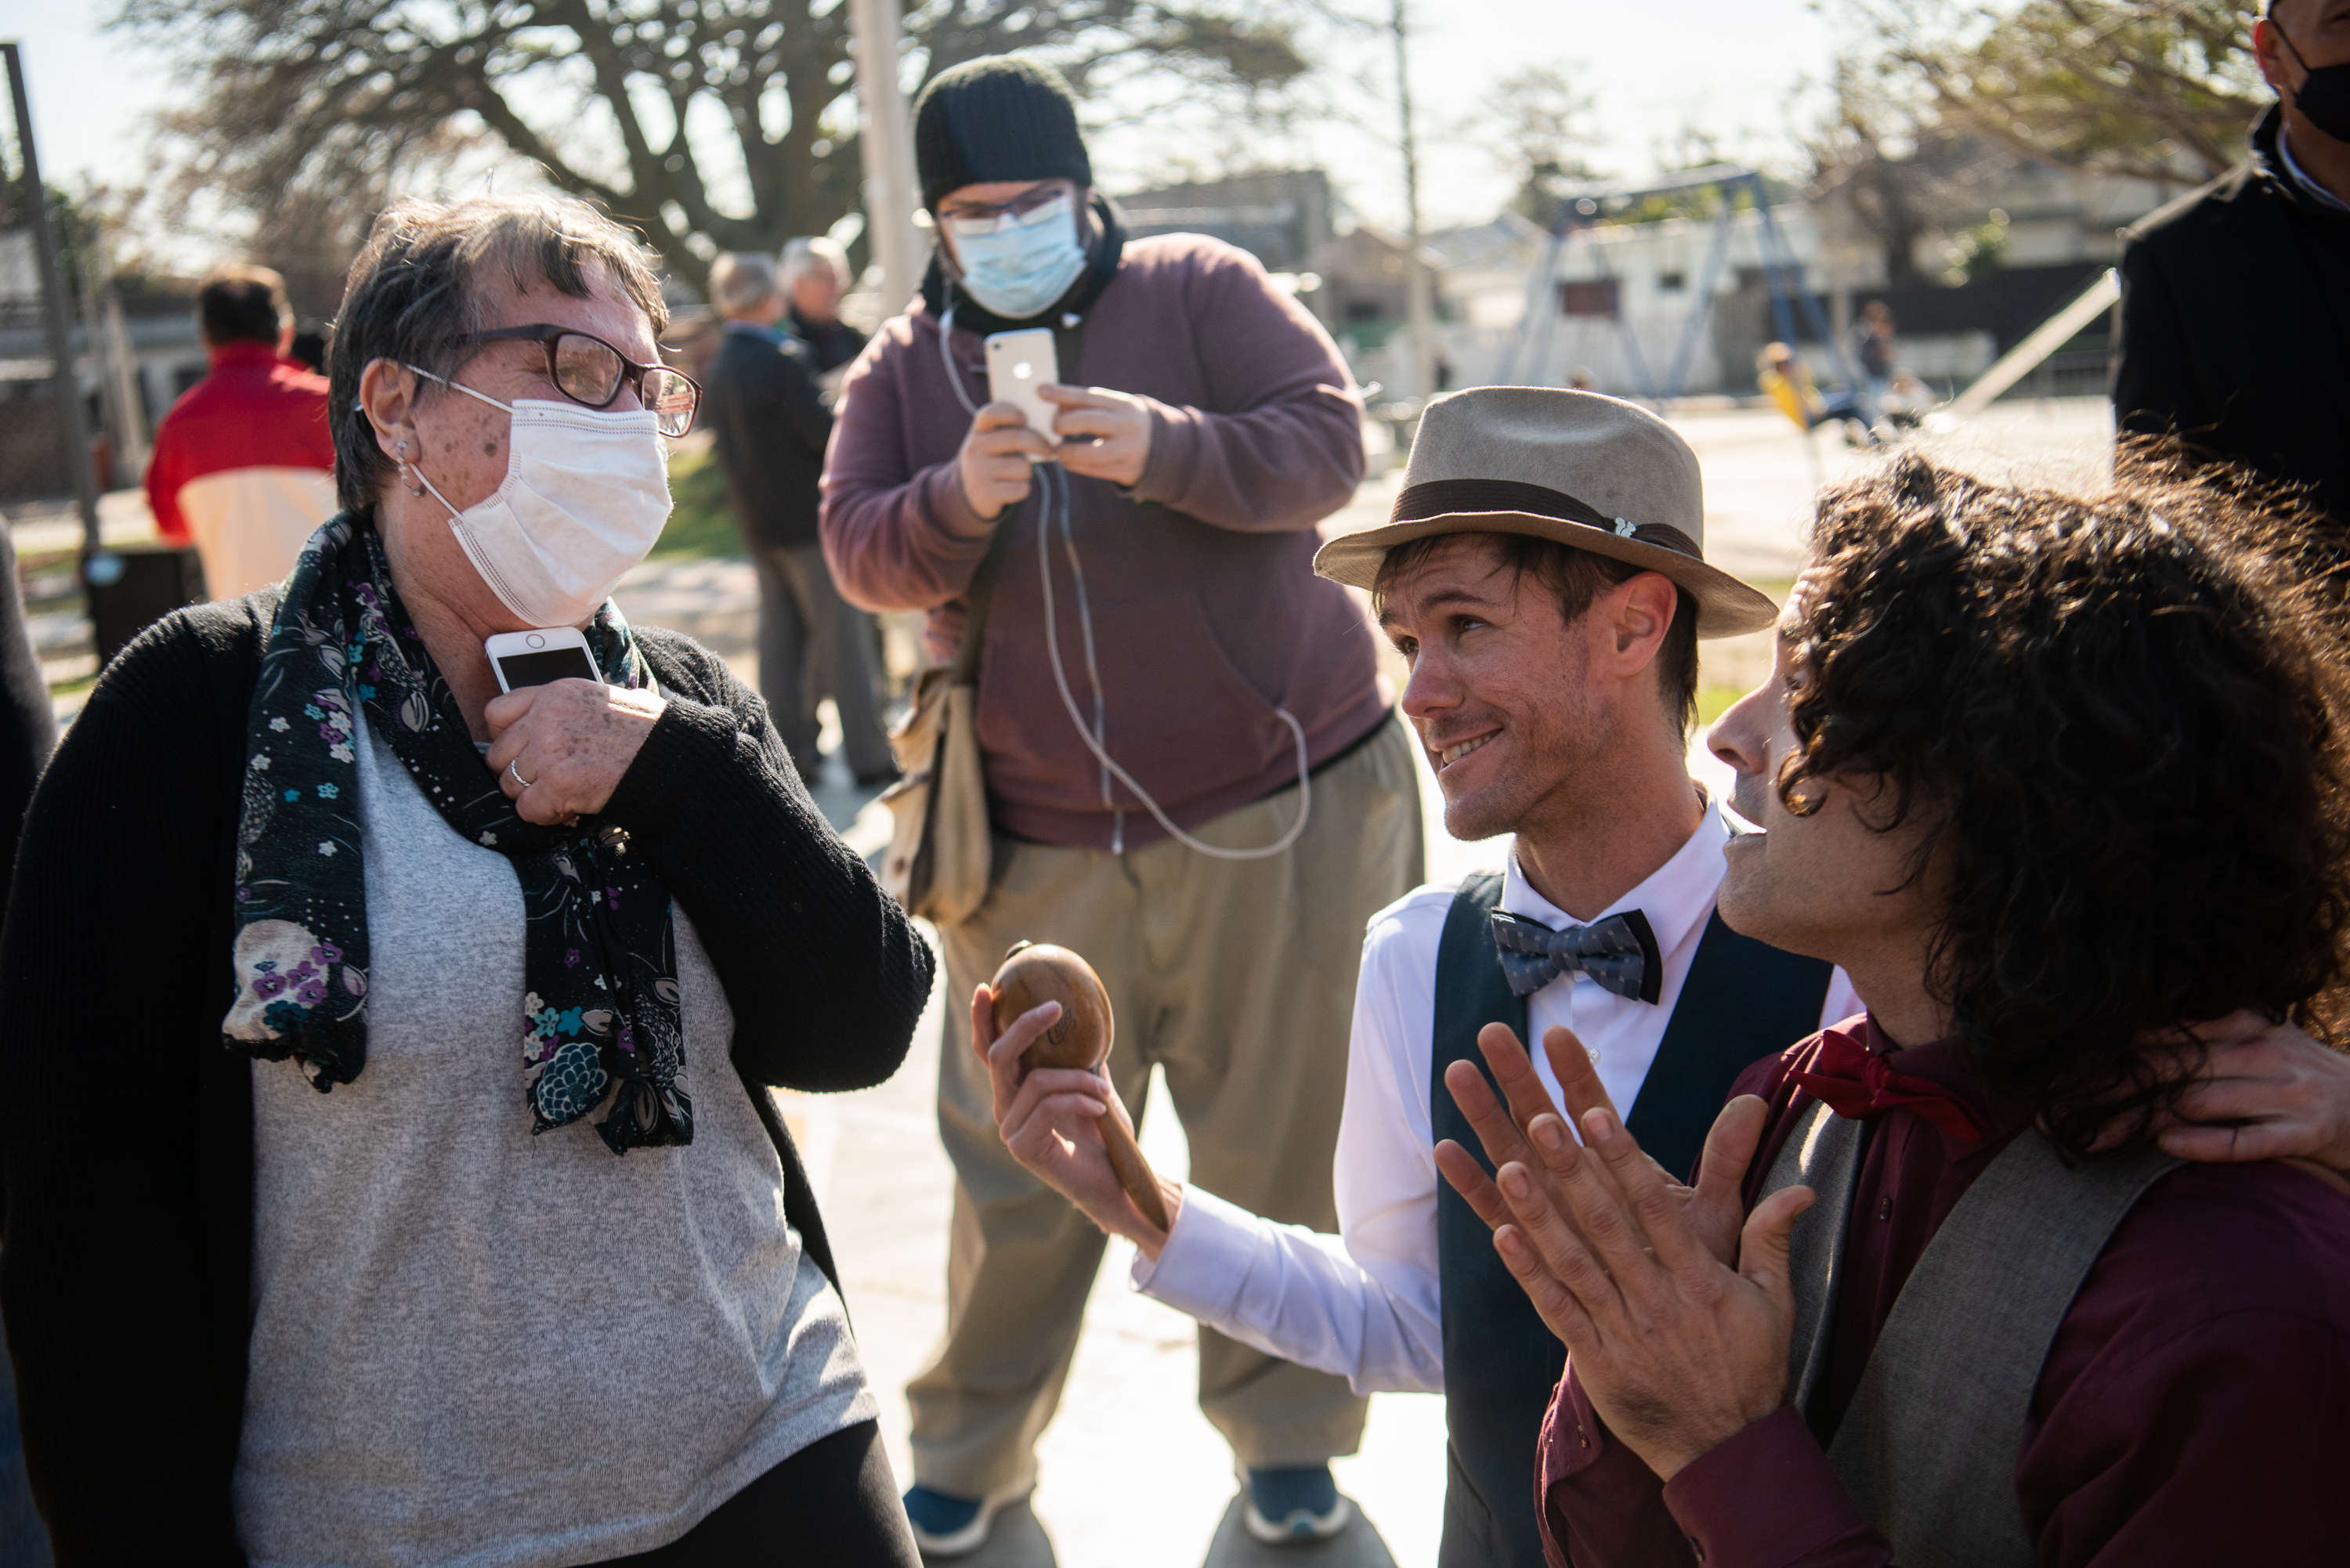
[1415, 275]
[887, 139]
[53, 298]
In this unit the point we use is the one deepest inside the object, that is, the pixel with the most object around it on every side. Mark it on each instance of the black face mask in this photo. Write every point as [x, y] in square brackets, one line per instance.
[2324, 96]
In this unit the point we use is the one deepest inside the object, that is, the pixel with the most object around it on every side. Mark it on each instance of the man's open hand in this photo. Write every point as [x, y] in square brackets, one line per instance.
[1678, 1350]
[1716, 1210]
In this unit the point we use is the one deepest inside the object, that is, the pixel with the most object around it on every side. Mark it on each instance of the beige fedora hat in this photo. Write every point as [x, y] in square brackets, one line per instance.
[1593, 471]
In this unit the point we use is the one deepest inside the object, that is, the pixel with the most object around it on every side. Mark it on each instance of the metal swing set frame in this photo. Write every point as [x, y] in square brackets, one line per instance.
[1587, 210]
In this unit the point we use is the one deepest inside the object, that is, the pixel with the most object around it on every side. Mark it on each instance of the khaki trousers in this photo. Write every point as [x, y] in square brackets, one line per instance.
[1236, 977]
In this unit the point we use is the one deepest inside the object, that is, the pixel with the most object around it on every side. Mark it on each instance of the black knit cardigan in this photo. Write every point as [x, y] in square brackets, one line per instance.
[125, 1130]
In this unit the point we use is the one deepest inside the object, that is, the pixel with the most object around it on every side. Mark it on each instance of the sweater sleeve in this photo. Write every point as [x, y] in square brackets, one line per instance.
[1280, 447]
[897, 537]
[826, 973]
[113, 1256]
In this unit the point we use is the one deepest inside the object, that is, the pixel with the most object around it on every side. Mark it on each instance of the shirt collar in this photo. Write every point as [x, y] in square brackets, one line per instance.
[1947, 1065]
[2299, 176]
[757, 330]
[1677, 897]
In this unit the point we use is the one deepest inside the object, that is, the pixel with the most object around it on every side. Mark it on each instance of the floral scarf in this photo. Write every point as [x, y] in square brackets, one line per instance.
[599, 1017]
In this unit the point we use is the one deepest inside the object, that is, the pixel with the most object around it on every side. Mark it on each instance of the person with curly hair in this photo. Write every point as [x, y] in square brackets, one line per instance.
[2054, 779]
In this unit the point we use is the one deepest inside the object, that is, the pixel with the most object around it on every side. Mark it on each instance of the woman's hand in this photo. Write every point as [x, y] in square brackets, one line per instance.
[1047, 1119]
[560, 749]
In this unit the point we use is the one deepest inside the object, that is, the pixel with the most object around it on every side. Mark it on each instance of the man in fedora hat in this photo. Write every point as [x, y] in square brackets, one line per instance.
[1544, 575]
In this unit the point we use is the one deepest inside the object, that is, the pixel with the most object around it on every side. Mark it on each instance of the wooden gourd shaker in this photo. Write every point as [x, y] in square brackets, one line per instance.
[1034, 974]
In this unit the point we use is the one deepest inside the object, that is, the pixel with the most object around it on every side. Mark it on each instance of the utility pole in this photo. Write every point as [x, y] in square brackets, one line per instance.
[1415, 275]
[887, 139]
[53, 299]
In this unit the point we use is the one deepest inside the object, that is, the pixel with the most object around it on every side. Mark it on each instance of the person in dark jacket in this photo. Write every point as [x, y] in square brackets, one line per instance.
[406, 1183]
[815, 275]
[2235, 317]
[771, 426]
[28, 730]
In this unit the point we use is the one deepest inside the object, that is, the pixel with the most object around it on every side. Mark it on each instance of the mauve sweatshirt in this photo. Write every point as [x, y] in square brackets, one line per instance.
[1206, 610]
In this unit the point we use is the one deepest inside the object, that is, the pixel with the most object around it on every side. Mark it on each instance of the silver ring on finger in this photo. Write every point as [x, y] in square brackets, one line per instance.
[512, 768]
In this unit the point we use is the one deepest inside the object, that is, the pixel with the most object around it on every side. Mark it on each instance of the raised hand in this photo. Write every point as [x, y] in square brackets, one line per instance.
[1716, 1209]
[1678, 1350]
[1047, 1119]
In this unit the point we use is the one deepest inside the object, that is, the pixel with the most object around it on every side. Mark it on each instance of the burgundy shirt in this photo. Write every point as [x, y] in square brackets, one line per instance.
[1206, 609]
[2194, 1408]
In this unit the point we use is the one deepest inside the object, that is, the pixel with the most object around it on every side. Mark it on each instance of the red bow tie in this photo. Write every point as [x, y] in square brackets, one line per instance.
[1855, 1083]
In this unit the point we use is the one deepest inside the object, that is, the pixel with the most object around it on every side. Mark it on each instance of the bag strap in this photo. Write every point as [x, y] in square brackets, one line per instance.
[976, 599]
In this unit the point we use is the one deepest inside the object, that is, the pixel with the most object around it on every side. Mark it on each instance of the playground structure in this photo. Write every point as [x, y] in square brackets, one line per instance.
[1527, 360]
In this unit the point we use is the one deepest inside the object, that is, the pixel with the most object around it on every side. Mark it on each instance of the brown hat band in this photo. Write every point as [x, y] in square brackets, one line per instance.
[1437, 497]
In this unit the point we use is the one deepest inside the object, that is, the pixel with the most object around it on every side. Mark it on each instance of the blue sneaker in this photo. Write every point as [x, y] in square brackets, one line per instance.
[948, 1526]
[1295, 1505]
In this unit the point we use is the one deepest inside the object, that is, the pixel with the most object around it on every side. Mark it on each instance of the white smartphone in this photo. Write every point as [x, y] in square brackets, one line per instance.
[1017, 364]
[534, 658]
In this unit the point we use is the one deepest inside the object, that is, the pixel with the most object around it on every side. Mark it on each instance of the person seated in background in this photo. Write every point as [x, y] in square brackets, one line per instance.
[815, 275]
[2052, 778]
[244, 462]
[1787, 381]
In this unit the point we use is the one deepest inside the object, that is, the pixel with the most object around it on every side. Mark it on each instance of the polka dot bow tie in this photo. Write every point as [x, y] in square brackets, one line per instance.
[1618, 952]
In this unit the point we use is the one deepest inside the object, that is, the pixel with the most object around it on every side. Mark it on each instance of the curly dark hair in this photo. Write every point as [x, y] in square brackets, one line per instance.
[2122, 718]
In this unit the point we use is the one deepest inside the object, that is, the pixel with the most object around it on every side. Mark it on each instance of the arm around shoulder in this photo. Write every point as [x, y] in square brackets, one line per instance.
[826, 973]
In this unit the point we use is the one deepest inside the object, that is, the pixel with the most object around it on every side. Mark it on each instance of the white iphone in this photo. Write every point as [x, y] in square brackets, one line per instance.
[1017, 364]
[534, 658]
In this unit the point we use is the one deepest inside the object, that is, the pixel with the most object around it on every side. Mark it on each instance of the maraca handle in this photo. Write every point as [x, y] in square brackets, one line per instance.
[1134, 1172]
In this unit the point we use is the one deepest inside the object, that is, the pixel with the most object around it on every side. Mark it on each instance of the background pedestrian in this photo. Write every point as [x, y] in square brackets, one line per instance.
[244, 462]
[771, 424]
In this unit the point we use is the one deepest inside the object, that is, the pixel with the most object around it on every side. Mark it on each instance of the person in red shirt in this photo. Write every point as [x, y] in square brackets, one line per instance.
[243, 466]
[2052, 778]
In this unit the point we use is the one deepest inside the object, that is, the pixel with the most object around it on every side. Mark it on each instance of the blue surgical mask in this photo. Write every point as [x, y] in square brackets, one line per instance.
[1016, 266]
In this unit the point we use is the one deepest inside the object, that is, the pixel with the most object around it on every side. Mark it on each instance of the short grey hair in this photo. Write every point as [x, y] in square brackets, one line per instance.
[800, 256]
[416, 290]
[740, 281]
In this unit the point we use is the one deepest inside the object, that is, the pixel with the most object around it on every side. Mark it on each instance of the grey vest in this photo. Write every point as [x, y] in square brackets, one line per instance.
[1928, 1449]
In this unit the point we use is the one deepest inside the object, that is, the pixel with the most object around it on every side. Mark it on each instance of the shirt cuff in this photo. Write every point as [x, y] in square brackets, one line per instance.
[1207, 1256]
[1767, 1499]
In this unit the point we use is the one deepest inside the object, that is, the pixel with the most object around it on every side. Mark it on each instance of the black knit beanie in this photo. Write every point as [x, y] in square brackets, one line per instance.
[998, 118]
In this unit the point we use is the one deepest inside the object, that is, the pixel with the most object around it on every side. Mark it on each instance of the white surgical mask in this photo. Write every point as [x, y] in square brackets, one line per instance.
[585, 498]
[1017, 267]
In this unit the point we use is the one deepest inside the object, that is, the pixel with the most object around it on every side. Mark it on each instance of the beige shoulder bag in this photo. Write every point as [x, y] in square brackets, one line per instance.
[938, 861]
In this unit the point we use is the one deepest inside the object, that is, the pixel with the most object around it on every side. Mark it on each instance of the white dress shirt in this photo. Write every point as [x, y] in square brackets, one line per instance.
[1365, 1303]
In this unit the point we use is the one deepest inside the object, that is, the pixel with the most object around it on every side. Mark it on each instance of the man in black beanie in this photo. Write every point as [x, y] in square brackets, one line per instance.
[1147, 767]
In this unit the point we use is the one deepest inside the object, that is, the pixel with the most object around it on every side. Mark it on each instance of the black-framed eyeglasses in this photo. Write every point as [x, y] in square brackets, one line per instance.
[591, 372]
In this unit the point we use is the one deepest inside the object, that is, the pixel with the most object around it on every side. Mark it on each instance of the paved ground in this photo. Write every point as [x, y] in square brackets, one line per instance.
[1130, 1474]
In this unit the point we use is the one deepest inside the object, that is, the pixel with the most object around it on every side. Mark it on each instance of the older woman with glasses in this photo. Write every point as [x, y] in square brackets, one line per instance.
[392, 1170]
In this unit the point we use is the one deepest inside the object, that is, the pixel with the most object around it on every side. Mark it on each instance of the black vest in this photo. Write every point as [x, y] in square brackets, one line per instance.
[1743, 1001]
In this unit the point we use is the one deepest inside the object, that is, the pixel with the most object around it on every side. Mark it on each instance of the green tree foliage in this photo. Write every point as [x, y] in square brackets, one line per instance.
[716, 125]
[2154, 89]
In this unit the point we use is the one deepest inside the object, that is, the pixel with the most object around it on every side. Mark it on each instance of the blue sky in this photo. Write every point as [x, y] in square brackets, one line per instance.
[1729, 67]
